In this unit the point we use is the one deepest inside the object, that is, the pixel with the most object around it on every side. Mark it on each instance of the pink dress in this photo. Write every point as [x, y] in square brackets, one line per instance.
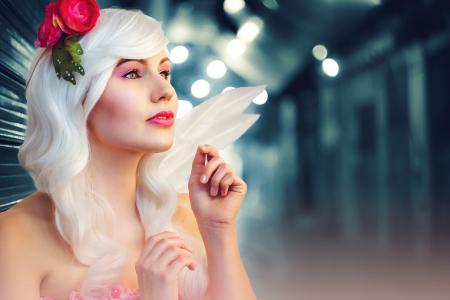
[117, 291]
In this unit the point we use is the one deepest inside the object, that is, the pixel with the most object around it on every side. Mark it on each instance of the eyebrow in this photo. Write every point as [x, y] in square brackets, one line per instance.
[142, 61]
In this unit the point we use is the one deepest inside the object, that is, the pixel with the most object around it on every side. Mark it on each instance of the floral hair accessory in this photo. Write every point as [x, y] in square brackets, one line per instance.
[64, 23]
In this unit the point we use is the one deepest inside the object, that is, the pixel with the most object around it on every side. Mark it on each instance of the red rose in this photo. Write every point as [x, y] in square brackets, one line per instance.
[48, 34]
[69, 16]
[59, 23]
[78, 15]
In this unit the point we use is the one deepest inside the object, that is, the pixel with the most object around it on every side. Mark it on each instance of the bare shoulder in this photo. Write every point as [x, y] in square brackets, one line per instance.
[38, 204]
[28, 222]
[22, 248]
[184, 215]
[29, 215]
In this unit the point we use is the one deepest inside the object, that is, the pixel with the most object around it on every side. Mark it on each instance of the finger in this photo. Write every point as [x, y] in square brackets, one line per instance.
[172, 255]
[226, 182]
[210, 150]
[165, 245]
[153, 240]
[199, 159]
[217, 177]
[238, 185]
[178, 264]
[210, 168]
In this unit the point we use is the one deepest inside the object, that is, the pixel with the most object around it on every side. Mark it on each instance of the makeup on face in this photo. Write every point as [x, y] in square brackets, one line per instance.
[164, 66]
[162, 118]
[162, 122]
[127, 69]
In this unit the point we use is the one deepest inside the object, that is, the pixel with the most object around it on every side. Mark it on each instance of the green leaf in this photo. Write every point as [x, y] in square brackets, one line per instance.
[66, 57]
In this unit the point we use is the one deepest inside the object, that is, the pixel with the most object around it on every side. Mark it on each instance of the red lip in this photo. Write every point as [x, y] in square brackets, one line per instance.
[167, 121]
[163, 113]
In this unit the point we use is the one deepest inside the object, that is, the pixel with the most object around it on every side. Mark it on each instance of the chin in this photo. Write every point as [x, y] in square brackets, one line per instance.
[162, 147]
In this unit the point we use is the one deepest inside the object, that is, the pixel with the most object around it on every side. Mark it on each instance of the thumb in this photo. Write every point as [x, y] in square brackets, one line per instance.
[199, 160]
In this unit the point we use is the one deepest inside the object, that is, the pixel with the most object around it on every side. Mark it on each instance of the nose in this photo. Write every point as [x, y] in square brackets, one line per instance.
[162, 90]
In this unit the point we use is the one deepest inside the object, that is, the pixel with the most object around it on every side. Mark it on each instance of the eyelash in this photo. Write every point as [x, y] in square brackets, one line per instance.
[136, 71]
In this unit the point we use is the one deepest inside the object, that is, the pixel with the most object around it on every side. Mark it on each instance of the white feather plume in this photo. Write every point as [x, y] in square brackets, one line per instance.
[218, 121]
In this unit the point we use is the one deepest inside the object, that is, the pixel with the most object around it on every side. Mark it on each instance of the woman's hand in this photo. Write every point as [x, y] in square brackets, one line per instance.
[216, 200]
[162, 258]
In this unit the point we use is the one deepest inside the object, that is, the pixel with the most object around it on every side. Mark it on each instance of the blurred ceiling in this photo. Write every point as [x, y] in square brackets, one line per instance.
[289, 32]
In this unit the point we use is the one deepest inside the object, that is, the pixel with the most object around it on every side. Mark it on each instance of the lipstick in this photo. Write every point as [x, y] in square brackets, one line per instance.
[163, 118]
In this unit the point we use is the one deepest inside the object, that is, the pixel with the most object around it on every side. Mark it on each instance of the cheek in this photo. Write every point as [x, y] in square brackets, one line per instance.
[115, 117]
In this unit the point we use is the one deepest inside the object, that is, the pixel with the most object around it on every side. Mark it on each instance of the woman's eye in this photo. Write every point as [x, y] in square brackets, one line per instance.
[132, 72]
[167, 74]
[135, 74]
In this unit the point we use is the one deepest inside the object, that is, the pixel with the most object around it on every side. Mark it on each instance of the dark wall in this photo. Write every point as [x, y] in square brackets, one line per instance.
[19, 24]
[438, 94]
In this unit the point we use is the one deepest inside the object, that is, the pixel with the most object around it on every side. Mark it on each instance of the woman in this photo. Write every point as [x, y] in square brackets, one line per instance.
[121, 212]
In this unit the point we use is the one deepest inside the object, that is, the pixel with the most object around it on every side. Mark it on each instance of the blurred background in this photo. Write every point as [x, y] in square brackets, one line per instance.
[348, 167]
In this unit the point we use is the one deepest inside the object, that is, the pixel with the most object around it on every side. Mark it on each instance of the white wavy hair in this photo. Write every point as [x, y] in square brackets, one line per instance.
[56, 152]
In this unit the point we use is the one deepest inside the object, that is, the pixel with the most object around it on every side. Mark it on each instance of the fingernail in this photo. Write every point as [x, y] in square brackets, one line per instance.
[213, 191]
[203, 178]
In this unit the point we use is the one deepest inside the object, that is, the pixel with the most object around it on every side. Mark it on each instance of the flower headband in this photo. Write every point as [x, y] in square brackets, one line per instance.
[64, 23]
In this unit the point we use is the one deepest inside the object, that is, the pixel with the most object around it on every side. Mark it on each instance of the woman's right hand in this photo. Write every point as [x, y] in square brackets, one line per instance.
[163, 257]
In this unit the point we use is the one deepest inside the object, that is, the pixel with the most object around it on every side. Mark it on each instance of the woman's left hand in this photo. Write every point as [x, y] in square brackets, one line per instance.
[216, 200]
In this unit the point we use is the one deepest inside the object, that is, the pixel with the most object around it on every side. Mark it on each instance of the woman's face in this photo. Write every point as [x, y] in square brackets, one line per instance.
[135, 92]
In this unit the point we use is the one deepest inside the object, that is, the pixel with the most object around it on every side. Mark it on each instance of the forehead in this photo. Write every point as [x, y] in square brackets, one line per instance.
[160, 58]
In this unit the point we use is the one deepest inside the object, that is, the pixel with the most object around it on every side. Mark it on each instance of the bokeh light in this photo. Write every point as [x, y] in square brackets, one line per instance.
[320, 52]
[233, 6]
[200, 88]
[330, 67]
[261, 98]
[216, 69]
[179, 54]
[184, 106]
[250, 30]
[236, 47]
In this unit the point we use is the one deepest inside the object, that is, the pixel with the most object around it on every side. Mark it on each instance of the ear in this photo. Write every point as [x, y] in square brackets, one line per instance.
[184, 216]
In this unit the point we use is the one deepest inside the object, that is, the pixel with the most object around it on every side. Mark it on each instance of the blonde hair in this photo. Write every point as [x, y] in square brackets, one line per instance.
[56, 152]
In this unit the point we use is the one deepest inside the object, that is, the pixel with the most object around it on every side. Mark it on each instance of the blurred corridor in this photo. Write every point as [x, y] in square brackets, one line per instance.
[348, 168]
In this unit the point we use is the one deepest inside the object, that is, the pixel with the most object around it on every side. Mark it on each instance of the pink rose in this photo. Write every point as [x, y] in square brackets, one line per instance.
[68, 16]
[59, 23]
[79, 15]
[48, 35]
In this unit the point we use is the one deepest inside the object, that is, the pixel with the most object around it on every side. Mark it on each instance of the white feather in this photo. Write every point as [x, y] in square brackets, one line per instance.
[218, 121]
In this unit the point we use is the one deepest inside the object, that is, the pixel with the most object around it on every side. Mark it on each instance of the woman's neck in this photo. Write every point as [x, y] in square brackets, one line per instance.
[113, 174]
